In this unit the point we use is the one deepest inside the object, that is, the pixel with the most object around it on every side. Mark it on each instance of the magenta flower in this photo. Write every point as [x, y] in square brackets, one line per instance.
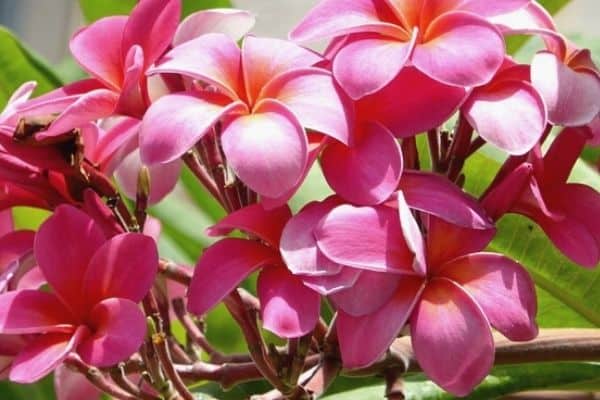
[538, 189]
[450, 41]
[267, 92]
[449, 291]
[288, 308]
[508, 111]
[92, 308]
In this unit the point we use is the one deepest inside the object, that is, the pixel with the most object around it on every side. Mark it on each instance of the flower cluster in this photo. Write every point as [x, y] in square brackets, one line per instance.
[395, 250]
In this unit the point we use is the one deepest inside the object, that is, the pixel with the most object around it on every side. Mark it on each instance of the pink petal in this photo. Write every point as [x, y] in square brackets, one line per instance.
[460, 49]
[480, 7]
[222, 267]
[103, 62]
[367, 63]
[174, 123]
[163, 177]
[298, 245]
[231, 22]
[288, 308]
[429, 105]
[64, 246]
[264, 59]
[108, 148]
[118, 328]
[332, 18]
[213, 58]
[71, 385]
[268, 149]
[364, 237]
[255, 220]
[370, 292]
[43, 354]
[6, 222]
[14, 244]
[315, 99]
[151, 26]
[131, 99]
[32, 311]
[344, 167]
[363, 340]
[329, 284]
[448, 328]
[125, 266]
[412, 235]
[562, 155]
[503, 196]
[502, 288]
[438, 196]
[511, 115]
[9, 116]
[572, 97]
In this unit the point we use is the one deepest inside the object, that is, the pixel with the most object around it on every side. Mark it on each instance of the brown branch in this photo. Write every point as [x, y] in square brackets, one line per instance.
[175, 272]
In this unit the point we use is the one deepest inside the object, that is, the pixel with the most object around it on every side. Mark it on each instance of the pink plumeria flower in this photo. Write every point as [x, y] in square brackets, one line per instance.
[450, 41]
[538, 189]
[92, 308]
[9, 116]
[449, 291]
[508, 112]
[288, 307]
[265, 95]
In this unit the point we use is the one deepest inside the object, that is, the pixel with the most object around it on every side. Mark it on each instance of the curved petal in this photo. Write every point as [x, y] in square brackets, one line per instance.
[71, 385]
[103, 62]
[370, 292]
[572, 97]
[222, 267]
[63, 247]
[460, 49]
[212, 58]
[288, 308]
[32, 311]
[502, 288]
[255, 220]
[448, 328]
[562, 155]
[315, 99]
[265, 58]
[332, 18]
[14, 244]
[268, 149]
[479, 7]
[503, 196]
[365, 237]
[125, 266]
[408, 115]
[7, 224]
[412, 235]
[329, 284]
[131, 99]
[118, 327]
[231, 22]
[345, 171]
[43, 354]
[367, 63]
[298, 245]
[511, 115]
[436, 195]
[363, 340]
[174, 123]
[151, 26]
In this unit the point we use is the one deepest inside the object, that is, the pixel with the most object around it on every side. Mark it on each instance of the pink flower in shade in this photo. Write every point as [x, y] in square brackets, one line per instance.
[537, 188]
[265, 95]
[92, 308]
[441, 284]
[288, 307]
[71, 385]
[508, 111]
[450, 41]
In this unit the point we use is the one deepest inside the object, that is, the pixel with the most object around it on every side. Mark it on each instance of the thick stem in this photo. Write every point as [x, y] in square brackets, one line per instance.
[200, 172]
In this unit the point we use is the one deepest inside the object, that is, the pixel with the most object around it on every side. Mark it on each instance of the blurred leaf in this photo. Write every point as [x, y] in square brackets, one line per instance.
[501, 381]
[18, 64]
[514, 43]
[43, 390]
[69, 70]
[29, 218]
[201, 196]
[94, 9]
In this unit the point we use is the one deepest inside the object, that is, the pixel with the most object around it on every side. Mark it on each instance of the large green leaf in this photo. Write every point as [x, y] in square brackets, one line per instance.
[94, 9]
[18, 64]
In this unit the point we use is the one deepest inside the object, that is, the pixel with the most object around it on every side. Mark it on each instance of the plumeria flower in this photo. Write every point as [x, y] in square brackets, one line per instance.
[91, 309]
[442, 285]
[288, 308]
[538, 189]
[450, 41]
[508, 111]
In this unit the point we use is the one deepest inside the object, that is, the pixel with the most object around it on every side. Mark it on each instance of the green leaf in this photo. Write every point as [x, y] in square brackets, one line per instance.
[43, 390]
[18, 64]
[94, 9]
